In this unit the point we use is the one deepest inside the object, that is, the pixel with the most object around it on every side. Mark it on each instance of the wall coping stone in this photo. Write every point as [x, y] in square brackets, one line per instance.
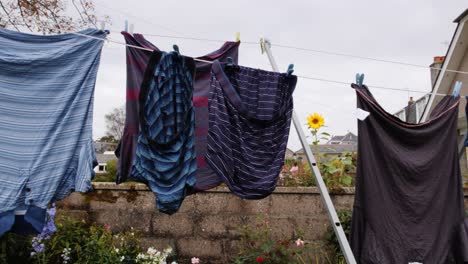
[135, 186]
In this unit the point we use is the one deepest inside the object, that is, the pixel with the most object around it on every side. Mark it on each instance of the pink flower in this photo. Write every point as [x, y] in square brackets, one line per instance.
[107, 227]
[294, 169]
[195, 260]
[299, 242]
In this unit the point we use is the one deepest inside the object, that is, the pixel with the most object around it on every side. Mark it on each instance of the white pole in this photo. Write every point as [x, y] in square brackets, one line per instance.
[335, 221]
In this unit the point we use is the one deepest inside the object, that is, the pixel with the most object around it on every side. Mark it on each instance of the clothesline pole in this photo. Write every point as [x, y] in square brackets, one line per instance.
[335, 221]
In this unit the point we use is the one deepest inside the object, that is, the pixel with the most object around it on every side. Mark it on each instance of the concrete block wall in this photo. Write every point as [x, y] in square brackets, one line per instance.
[207, 224]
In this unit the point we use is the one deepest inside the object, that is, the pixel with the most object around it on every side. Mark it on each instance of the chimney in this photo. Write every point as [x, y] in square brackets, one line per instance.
[410, 102]
[437, 64]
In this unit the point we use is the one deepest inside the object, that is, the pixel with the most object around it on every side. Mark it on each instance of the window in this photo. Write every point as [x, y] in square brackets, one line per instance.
[102, 168]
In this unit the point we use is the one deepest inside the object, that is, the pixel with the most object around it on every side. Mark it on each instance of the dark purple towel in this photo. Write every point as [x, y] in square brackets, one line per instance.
[137, 59]
[136, 64]
[409, 196]
[250, 117]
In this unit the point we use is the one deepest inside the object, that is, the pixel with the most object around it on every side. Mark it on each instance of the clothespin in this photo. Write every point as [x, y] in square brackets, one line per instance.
[176, 48]
[263, 44]
[237, 36]
[103, 25]
[457, 88]
[131, 29]
[290, 69]
[126, 25]
[359, 79]
[230, 61]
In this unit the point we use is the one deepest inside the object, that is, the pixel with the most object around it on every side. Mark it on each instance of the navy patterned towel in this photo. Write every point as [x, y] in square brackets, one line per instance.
[249, 118]
[165, 158]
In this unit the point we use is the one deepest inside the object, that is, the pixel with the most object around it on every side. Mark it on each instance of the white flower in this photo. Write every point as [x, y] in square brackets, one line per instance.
[116, 250]
[195, 260]
[168, 250]
[173, 262]
[151, 251]
[122, 258]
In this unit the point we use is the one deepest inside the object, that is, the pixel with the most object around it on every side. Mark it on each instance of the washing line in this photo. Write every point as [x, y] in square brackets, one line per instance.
[184, 36]
[299, 76]
[310, 50]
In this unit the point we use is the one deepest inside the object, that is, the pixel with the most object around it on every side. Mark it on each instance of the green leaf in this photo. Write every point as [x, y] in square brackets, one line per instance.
[346, 180]
[325, 133]
[347, 162]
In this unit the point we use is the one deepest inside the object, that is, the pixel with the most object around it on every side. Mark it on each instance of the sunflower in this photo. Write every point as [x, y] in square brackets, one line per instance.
[315, 121]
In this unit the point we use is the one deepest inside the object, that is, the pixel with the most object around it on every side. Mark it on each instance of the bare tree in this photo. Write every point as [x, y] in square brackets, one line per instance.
[115, 122]
[47, 16]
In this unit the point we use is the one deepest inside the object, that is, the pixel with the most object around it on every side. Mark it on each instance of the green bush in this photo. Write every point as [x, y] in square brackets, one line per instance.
[257, 245]
[76, 242]
[337, 172]
[345, 217]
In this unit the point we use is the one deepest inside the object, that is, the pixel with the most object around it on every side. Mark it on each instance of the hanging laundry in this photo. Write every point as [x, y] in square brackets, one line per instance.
[165, 157]
[136, 64]
[408, 205]
[249, 116]
[46, 107]
[137, 59]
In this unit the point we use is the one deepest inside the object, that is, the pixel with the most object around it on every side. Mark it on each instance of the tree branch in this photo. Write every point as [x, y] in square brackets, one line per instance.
[22, 15]
[8, 15]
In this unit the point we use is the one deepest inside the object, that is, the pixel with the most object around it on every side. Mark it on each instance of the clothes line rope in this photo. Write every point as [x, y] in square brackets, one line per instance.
[310, 50]
[299, 76]
[184, 36]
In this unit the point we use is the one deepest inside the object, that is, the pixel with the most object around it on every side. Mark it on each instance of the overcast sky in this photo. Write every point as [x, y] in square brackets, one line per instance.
[409, 31]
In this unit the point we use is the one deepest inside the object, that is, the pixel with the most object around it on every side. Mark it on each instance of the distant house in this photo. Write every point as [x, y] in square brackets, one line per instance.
[412, 113]
[101, 147]
[349, 138]
[103, 158]
[445, 71]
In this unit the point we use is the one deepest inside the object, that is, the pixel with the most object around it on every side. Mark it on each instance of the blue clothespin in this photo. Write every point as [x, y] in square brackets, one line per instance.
[176, 48]
[457, 88]
[290, 69]
[230, 61]
[126, 26]
[359, 79]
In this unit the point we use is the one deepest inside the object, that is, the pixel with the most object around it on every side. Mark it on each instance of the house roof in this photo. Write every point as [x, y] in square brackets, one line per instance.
[453, 60]
[349, 137]
[461, 17]
[104, 158]
[331, 148]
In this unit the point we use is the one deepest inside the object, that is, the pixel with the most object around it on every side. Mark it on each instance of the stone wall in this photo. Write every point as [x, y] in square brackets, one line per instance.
[207, 224]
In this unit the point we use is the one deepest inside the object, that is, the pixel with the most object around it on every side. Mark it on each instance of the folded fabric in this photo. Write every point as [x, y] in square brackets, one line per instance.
[408, 205]
[249, 119]
[46, 106]
[165, 157]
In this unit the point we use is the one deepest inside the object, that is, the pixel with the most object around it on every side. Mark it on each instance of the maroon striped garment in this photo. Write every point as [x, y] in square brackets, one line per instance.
[136, 65]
